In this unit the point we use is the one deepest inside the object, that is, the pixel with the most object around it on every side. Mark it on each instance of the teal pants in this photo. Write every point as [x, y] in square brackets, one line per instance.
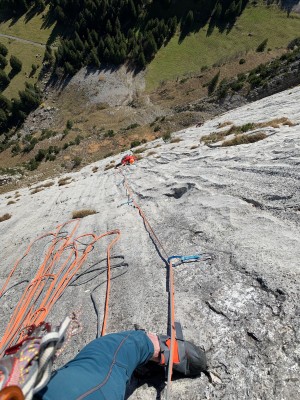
[101, 369]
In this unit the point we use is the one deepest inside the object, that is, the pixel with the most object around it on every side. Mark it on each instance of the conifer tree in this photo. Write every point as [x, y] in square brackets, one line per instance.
[4, 79]
[3, 50]
[189, 20]
[15, 64]
[94, 60]
[218, 11]
[3, 61]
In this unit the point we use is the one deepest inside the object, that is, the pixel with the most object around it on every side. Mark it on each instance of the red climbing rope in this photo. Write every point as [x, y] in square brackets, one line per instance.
[171, 285]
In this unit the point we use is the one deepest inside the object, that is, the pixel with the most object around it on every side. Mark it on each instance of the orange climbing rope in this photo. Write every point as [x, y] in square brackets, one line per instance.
[62, 261]
[171, 288]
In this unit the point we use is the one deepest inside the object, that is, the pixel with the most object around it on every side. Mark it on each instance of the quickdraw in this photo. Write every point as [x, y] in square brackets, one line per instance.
[175, 332]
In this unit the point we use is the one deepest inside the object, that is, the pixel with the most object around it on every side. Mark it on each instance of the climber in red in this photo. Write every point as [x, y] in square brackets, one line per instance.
[128, 159]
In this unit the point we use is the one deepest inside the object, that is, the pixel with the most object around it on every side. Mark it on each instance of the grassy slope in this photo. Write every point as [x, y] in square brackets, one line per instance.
[27, 54]
[31, 30]
[198, 50]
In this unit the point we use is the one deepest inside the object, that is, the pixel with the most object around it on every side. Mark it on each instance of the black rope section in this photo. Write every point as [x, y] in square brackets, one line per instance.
[99, 270]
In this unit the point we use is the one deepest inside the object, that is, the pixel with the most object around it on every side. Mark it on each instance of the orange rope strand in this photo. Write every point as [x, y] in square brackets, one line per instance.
[48, 285]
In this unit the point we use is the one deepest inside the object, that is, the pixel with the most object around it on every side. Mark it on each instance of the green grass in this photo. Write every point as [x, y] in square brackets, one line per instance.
[198, 50]
[31, 30]
[27, 54]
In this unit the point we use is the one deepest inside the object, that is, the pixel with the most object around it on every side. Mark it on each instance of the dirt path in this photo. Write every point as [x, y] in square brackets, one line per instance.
[23, 40]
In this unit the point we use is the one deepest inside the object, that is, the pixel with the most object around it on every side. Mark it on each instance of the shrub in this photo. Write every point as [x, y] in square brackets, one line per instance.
[225, 123]
[140, 150]
[242, 77]
[65, 132]
[261, 47]
[16, 149]
[34, 68]
[33, 140]
[83, 213]
[255, 81]
[223, 89]
[28, 147]
[135, 143]
[294, 43]
[236, 86]
[53, 149]
[242, 61]
[77, 161]
[108, 166]
[244, 139]
[175, 140]
[151, 153]
[50, 157]
[132, 126]
[5, 217]
[274, 123]
[69, 124]
[36, 190]
[32, 164]
[95, 169]
[64, 181]
[48, 184]
[46, 134]
[213, 83]
[109, 133]
[156, 128]
[247, 127]
[166, 136]
[40, 155]
[78, 139]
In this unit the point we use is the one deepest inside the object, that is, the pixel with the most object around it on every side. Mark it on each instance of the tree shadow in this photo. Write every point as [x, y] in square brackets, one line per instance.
[58, 83]
[105, 67]
[32, 12]
[288, 5]
[226, 20]
[49, 20]
[134, 69]
[13, 15]
[199, 22]
[56, 31]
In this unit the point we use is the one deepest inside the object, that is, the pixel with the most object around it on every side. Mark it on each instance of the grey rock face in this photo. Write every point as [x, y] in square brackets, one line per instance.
[238, 204]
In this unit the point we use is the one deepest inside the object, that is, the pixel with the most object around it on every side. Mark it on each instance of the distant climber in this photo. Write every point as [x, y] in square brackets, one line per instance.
[103, 367]
[128, 159]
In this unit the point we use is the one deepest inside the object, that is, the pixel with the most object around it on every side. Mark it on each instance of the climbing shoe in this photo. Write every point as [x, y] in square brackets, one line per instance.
[189, 359]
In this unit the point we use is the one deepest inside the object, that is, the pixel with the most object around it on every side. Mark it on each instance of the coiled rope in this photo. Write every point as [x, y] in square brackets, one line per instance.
[62, 261]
